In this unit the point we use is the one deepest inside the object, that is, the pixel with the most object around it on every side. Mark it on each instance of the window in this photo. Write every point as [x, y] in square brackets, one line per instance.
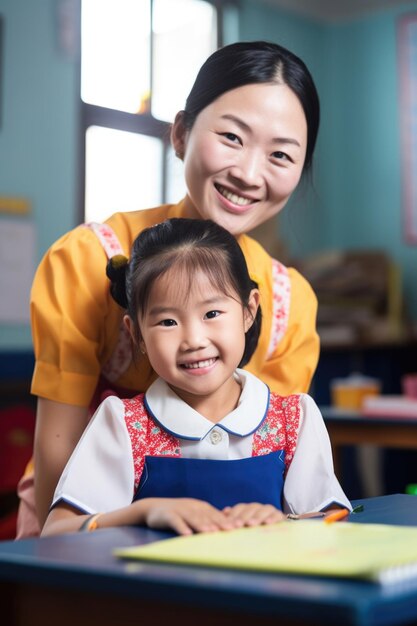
[139, 59]
[114, 158]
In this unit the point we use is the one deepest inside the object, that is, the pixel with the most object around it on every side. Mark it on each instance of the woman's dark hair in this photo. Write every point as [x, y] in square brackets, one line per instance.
[251, 62]
[189, 245]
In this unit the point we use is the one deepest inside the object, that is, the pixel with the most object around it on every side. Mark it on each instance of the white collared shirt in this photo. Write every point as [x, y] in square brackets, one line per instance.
[99, 475]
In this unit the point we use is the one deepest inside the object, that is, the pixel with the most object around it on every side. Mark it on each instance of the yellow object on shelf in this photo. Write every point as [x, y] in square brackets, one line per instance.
[16, 206]
[350, 392]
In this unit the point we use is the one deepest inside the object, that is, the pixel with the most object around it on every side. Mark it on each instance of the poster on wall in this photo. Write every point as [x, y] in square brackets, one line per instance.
[407, 56]
[17, 267]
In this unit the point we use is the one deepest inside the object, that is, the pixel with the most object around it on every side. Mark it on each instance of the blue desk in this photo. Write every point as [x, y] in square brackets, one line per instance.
[74, 580]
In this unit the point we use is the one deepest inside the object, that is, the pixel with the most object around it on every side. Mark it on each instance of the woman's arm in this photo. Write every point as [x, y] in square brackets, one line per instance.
[58, 428]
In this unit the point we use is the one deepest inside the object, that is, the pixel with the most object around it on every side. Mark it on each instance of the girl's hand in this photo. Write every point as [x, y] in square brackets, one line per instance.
[253, 514]
[185, 515]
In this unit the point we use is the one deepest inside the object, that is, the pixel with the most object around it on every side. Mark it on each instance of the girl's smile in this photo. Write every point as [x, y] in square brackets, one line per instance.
[197, 368]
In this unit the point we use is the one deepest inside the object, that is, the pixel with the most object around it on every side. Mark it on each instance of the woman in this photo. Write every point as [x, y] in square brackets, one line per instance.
[246, 136]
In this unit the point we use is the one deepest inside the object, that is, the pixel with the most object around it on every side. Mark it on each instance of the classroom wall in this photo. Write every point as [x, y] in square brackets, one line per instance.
[356, 198]
[38, 128]
[362, 194]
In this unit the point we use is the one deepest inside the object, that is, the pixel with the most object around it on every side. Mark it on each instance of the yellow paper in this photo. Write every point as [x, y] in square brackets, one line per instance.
[372, 551]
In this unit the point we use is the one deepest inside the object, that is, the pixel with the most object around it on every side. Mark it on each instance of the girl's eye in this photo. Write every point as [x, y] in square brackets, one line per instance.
[168, 322]
[212, 314]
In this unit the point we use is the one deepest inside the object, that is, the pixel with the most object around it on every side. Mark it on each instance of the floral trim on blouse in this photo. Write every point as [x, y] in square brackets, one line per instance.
[121, 357]
[146, 436]
[279, 430]
[280, 305]
[107, 237]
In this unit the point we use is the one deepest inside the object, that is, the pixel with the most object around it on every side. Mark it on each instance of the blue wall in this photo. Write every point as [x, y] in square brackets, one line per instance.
[356, 200]
[364, 152]
[38, 132]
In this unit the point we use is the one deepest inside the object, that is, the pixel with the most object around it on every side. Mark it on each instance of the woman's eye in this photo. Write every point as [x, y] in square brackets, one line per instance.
[168, 322]
[212, 314]
[231, 137]
[281, 156]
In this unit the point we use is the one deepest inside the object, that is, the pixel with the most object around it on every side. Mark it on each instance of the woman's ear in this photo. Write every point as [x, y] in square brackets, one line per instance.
[252, 308]
[179, 135]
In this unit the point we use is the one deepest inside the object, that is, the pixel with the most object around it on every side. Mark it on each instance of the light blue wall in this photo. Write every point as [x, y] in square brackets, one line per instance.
[362, 191]
[38, 133]
[356, 200]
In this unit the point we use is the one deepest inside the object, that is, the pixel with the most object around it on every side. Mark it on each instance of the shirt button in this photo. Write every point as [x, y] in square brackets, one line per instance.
[215, 437]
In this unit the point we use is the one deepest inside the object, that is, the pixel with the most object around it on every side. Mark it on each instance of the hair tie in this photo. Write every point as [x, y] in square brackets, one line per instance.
[115, 264]
[116, 272]
[118, 261]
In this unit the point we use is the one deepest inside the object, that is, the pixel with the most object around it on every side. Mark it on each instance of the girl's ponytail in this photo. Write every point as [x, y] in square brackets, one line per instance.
[116, 272]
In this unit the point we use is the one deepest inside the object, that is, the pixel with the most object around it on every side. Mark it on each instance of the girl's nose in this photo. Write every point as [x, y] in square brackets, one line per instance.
[193, 337]
[248, 169]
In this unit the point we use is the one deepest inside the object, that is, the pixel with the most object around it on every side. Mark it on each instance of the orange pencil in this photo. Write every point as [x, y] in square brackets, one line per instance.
[336, 516]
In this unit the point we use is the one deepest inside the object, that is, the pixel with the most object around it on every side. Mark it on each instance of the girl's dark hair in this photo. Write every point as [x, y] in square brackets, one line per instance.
[191, 245]
[251, 62]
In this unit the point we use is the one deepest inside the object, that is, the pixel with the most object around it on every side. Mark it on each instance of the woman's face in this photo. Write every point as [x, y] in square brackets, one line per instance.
[244, 155]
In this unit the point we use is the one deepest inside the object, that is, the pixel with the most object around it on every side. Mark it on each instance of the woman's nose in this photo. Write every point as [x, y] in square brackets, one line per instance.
[248, 168]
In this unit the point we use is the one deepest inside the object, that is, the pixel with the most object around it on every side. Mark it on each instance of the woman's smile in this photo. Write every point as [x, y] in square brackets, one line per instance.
[234, 197]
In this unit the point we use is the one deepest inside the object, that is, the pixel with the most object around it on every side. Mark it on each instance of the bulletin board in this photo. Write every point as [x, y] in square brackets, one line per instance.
[17, 259]
[17, 267]
[407, 59]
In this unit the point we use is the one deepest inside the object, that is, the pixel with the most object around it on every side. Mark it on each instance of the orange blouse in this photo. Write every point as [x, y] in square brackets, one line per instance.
[75, 322]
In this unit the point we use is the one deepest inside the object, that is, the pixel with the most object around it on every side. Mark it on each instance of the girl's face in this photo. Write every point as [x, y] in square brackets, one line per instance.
[195, 340]
[244, 155]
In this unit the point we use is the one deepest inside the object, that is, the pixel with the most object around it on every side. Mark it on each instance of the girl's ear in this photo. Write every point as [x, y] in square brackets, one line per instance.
[127, 321]
[179, 135]
[252, 308]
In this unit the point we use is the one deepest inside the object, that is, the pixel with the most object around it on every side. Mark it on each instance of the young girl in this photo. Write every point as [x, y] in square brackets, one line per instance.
[207, 447]
[246, 136]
